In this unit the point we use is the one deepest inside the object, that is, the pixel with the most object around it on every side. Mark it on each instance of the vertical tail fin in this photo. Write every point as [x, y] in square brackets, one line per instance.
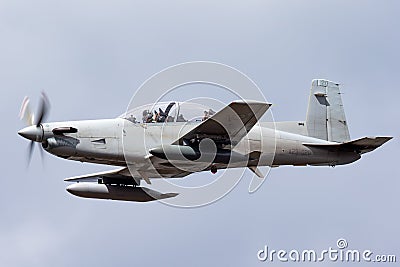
[325, 115]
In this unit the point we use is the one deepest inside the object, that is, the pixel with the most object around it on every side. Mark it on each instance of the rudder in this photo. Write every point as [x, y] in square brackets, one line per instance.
[325, 114]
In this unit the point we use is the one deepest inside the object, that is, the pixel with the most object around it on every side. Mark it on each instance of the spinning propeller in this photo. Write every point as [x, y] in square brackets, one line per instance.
[34, 129]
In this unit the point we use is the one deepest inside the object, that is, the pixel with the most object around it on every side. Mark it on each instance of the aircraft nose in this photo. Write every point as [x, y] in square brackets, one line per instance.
[32, 133]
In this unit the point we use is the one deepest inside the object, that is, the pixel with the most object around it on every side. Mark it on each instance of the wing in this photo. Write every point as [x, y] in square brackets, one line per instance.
[157, 169]
[229, 125]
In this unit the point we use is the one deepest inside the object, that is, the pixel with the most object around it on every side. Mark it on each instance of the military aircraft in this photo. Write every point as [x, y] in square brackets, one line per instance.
[158, 141]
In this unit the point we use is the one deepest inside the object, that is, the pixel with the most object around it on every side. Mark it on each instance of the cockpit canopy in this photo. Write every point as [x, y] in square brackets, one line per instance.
[168, 112]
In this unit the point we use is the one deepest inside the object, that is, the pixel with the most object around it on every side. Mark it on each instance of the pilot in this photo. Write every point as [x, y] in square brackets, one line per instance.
[161, 115]
[156, 116]
[147, 116]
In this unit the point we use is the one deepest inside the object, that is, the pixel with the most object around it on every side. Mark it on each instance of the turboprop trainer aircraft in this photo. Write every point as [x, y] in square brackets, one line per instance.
[166, 140]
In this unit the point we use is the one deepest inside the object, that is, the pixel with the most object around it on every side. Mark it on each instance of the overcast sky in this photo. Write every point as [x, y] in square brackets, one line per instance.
[91, 56]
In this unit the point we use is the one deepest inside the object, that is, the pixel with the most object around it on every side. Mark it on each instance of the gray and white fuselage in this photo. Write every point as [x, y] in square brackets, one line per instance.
[173, 147]
[114, 141]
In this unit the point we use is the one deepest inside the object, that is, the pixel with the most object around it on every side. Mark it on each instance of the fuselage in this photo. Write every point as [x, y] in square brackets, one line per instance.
[176, 139]
[120, 142]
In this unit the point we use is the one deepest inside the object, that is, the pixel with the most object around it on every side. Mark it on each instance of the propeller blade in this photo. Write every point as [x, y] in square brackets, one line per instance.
[42, 157]
[25, 112]
[43, 109]
[30, 150]
[41, 151]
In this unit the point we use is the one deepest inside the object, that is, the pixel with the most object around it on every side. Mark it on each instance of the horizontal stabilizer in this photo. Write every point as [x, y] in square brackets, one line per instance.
[361, 146]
